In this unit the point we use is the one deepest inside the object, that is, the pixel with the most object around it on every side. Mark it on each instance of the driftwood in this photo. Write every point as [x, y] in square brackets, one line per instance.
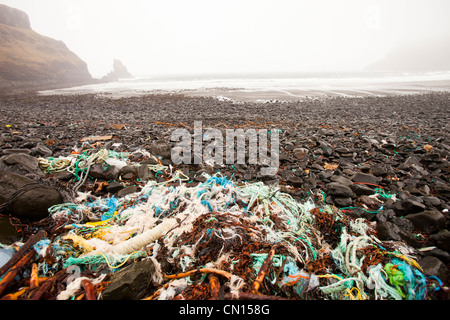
[34, 278]
[89, 289]
[203, 270]
[263, 270]
[23, 249]
[16, 295]
[15, 269]
[214, 287]
[47, 284]
[250, 296]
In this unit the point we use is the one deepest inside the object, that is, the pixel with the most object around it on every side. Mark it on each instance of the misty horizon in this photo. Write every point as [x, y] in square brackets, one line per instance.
[250, 37]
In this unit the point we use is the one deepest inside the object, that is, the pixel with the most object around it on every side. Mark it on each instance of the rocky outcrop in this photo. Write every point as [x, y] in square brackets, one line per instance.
[119, 71]
[28, 58]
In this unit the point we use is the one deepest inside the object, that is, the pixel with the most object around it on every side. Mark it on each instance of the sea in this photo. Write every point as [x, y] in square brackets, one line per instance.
[271, 86]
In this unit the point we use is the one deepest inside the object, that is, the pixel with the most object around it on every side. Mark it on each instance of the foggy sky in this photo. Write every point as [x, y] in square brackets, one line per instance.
[207, 36]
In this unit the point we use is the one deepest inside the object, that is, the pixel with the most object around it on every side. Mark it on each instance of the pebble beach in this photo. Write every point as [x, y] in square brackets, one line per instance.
[378, 160]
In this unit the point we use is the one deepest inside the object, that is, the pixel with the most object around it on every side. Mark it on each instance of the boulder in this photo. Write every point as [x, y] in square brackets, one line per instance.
[42, 150]
[408, 206]
[161, 148]
[127, 190]
[130, 283]
[144, 173]
[114, 187]
[431, 201]
[338, 189]
[294, 181]
[343, 180]
[22, 164]
[97, 171]
[427, 221]
[442, 239]
[360, 177]
[362, 189]
[442, 190]
[301, 153]
[433, 266]
[112, 172]
[342, 201]
[389, 231]
[26, 198]
[11, 151]
[128, 172]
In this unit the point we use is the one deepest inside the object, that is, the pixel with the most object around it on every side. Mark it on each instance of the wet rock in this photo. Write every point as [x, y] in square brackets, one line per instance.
[63, 175]
[408, 206]
[294, 181]
[337, 189]
[325, 175]
[199, 177]
[42, 150]
[127, 190]
[342, 180]
[22, 164]
[360, 177]
[362, 189]
[128, 172]
[440, 254]
[432, 266]
[385, 215]
[114, 187]
[431, 201]
[130, 283]
[379, 170]
[427, 221]
[442, 239]
[430, 157]
[341, 201]
[325, 132]
[301, 153]
[143, 173]
[161, 148]
[97, 171]
[342, 150]
[388, 231]
[11, 151]
[443, 190]
[8, 234]
[112, 173]
[403, 223]
[26, 198]
[424, 189]
[412, 161]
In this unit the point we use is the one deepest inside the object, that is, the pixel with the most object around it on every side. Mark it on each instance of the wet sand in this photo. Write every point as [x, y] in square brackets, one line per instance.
[263, 92]
[293, 94]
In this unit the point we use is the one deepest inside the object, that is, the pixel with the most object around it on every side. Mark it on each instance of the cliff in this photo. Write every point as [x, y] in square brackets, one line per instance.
[28, 58]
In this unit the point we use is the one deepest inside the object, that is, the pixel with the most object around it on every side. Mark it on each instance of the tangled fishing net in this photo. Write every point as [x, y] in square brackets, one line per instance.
[252, 237]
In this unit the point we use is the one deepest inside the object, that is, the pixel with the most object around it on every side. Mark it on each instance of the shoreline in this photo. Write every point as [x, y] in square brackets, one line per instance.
[259, 90]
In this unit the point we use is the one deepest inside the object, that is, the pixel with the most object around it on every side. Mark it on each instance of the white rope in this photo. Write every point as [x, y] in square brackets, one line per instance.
[138, 242]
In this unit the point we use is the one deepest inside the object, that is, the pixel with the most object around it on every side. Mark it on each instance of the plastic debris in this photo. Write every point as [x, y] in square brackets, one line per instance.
[251, 239]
